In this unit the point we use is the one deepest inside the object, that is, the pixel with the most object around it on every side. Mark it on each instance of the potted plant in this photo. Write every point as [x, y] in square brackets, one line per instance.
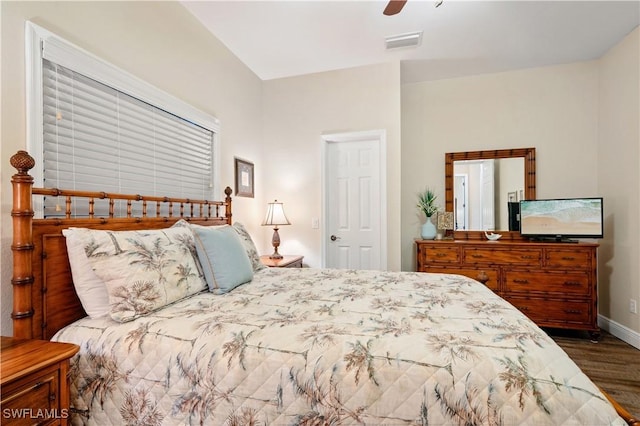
[427, 205]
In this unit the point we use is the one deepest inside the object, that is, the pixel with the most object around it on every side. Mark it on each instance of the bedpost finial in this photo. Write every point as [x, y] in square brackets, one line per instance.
[23, 162]
[228, 191]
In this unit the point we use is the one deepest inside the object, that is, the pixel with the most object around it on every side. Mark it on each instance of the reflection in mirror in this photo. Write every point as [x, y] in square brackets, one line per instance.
[482, 190]
[479, 185]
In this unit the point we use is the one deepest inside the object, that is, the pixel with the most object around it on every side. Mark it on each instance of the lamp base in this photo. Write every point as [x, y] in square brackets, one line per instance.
[275, 242]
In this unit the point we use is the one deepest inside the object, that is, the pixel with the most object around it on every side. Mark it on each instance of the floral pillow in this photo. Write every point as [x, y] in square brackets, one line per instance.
[144, 270]
[249, 246]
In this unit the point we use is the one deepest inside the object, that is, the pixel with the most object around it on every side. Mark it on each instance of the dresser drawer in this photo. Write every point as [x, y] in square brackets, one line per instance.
[472, 255]
[573, 283]
[435, 254]
[492, 274]
[568, 258]
[553, 313]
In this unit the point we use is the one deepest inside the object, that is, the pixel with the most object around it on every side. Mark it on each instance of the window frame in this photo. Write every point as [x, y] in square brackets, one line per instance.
[84, 62]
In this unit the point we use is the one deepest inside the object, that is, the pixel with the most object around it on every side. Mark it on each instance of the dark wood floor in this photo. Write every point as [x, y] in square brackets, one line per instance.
[610, 363]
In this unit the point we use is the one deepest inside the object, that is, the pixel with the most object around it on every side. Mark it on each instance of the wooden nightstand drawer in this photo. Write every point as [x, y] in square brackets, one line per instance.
[33, 377]
[33, 396]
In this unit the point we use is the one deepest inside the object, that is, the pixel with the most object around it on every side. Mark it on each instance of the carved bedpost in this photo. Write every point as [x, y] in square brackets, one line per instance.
[227, 212]
[22, 246]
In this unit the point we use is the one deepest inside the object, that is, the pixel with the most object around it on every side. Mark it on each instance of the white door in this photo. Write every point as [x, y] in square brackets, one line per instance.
[354, 203]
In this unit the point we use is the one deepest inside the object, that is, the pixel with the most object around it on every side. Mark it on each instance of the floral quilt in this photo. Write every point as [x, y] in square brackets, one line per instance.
[329, 347]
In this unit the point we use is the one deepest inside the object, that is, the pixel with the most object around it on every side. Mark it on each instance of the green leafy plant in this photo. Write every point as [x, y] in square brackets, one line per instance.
[427, 202]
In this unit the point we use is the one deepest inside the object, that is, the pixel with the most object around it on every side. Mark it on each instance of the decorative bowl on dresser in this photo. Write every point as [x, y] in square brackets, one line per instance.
[34, 381]
[554, 284]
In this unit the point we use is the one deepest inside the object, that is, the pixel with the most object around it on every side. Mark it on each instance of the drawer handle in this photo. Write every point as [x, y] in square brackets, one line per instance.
[520, 281]
[440, 255]
[477, 256]
[527, 257]
[573, 311]
[573, 283]
[568, 258]
[522, 308]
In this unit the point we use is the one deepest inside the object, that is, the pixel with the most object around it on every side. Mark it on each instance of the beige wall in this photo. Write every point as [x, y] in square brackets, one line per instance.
[618, 171]
[297, 112]
[159, 42]
[553, 109]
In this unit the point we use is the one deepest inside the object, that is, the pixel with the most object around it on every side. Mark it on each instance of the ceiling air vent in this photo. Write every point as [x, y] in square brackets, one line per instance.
[403, 40]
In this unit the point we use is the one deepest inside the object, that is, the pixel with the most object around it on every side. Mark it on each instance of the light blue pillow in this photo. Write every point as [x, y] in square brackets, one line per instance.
[224, 260]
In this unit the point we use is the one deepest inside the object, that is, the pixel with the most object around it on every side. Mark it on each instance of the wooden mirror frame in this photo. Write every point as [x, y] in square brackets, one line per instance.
[529, 156]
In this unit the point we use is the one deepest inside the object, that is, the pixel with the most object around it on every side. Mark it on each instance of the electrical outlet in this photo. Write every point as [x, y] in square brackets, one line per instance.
[633, 306]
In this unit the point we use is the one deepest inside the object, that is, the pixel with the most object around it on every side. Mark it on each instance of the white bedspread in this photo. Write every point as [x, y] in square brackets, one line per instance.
[312, 347]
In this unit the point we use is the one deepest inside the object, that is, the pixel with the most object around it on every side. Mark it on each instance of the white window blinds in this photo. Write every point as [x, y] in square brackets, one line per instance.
[92, 126]
[97, 138]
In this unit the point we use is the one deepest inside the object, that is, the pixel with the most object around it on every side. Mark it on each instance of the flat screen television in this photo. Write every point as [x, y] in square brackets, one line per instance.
[562, 219]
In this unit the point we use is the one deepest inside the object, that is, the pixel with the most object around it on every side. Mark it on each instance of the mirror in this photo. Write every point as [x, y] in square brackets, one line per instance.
[480, 184]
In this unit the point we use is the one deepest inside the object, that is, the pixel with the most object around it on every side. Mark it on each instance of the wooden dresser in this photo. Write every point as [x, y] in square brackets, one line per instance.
[554, 284]
[34, 381]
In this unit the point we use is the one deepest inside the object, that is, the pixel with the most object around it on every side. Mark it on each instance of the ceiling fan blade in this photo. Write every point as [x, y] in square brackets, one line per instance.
[394, 7]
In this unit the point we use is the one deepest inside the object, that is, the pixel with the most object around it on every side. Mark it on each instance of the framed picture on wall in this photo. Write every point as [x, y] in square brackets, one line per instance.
[244, 178]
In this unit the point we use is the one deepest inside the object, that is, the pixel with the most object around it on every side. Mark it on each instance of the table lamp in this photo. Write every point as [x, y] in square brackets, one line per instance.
[275, 217]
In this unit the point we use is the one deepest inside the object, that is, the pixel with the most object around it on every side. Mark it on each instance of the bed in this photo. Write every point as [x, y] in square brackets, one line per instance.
[290, 346]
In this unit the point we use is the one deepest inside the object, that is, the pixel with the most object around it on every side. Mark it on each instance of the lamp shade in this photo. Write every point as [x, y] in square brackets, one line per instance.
[275, 215]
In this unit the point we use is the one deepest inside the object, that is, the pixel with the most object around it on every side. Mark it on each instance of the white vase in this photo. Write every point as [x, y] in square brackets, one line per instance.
[428, 230]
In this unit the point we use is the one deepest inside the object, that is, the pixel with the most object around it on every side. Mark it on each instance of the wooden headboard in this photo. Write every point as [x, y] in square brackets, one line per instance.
[44, 298]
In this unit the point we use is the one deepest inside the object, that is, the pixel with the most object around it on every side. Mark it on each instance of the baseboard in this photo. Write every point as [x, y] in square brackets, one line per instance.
[620, 331]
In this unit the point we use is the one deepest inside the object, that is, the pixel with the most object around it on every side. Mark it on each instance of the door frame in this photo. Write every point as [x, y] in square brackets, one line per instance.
[379, 136]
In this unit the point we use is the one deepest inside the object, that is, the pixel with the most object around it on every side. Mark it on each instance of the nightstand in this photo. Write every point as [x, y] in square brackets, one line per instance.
[34, 380]
[285, 262]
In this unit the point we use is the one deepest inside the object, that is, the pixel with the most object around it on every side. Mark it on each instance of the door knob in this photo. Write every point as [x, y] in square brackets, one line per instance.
[333, 238]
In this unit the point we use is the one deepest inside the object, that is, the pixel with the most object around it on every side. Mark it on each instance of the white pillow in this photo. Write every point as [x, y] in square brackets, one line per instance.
[91, 290]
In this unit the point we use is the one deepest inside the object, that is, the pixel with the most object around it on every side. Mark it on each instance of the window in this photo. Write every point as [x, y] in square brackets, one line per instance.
[94, 127]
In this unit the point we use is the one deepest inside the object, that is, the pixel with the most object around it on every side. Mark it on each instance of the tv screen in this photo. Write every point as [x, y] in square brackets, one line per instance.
[561, 219]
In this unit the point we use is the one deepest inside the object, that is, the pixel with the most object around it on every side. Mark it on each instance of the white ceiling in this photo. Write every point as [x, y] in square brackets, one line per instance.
[286, 38]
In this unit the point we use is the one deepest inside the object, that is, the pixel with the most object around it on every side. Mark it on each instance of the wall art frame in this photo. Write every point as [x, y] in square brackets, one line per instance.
[244, 178]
